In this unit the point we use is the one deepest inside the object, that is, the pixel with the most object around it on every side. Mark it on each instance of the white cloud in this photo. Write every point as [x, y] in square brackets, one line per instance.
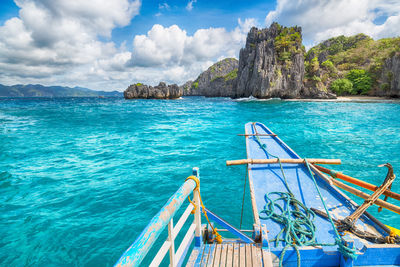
[171, 55]
[189, 6]
[56, 37]
[322, 19]
[173, 46]
[164, 6]
[66, 43]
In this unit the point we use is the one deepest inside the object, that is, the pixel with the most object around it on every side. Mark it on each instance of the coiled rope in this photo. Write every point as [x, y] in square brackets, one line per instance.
[297, 219]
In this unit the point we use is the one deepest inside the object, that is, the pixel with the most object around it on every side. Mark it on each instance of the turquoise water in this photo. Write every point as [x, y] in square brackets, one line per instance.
[80, 178]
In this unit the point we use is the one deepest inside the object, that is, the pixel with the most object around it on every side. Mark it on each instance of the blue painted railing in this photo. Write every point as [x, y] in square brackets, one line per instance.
[135, 254]
[212, 216]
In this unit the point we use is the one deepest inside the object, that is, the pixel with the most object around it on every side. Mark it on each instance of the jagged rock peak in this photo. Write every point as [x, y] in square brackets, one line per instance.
[161, 91]
[272, 64]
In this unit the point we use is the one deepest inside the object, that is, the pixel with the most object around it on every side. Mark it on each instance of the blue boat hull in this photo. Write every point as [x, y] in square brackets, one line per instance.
[264, 178]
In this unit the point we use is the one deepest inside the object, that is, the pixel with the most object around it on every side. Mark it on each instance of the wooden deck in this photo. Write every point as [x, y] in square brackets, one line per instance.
[229, 254]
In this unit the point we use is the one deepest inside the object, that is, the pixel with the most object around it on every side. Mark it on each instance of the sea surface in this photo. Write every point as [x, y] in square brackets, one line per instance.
[81, 177]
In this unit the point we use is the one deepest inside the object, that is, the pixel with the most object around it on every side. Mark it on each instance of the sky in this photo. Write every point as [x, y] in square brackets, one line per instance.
[108, 45]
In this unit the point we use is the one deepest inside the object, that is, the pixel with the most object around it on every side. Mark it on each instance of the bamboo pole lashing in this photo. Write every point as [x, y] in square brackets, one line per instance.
[358, 182]
[363, 195]
[275, 160]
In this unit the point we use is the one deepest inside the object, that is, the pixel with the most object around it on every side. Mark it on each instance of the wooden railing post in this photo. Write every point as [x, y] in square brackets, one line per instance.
[197, 215]
[171, 239]
[134, 255]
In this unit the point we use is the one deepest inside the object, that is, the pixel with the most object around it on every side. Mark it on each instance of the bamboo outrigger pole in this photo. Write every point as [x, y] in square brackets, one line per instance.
[358, 193]
[358, 182]
[276, 160]
[363, 195]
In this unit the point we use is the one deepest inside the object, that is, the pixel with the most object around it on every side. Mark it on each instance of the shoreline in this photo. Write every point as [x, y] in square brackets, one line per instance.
[352, 98]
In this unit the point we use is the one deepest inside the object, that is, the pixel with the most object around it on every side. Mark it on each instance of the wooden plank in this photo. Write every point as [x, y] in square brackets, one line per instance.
[224, 250]
[253, 200]
[161, 254]
[249, 257]
[204, 255]
[211, 255]
[217, 257]
[185, 244]
[235, 255]
[242, 255]
[267, 259]
[200, 256]
[194, 256]
[229, 256]
[182, 220]
[291, 161]
[171, 239]
[256, 252]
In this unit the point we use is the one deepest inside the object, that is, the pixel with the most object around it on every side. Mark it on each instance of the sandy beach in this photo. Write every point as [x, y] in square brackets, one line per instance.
[351, 99]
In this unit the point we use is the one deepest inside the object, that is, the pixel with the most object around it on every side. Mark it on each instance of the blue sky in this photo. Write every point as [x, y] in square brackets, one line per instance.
[205, 14]
[107, 45]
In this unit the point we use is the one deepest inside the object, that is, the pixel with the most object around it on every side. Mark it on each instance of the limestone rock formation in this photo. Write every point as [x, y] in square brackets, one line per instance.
[272, 65]
[217, 80]
[390, 77]
[161, 91]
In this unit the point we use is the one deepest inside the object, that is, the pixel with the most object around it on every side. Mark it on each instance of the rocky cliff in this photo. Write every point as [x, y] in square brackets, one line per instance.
[217, 80]
[161, 91]
[352, 65]
[272, 65]
[390, 77]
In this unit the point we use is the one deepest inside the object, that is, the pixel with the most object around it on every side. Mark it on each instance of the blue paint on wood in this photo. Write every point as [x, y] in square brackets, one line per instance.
[197, 241]
[268, 177]
[134, 255]
[347, 262]
[230, 228]
[182, 259]
[264, 235]
[200, 252]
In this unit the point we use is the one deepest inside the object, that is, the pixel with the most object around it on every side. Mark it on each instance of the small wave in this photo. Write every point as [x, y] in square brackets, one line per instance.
[252, 98]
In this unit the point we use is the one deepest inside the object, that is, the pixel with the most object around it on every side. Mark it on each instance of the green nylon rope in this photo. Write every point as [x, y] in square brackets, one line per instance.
[346, 251]
[299, 228]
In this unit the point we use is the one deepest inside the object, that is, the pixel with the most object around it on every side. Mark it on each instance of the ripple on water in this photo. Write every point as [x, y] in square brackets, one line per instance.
[80, 178]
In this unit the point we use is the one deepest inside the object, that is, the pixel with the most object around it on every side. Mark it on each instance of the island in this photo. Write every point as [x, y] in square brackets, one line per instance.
[275, 64]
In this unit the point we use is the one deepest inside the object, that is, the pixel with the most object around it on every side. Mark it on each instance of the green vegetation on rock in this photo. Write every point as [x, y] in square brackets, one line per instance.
[336, 45]
[342, 87]
[361, 81]
[231, 75]
[195, 84]
[287, 43]
[328, 65]
[359, 58]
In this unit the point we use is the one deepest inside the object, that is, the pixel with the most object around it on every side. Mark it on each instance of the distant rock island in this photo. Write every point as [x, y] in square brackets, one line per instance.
[161, 91]
[217, 80]
[38, 90]
[274, 63]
